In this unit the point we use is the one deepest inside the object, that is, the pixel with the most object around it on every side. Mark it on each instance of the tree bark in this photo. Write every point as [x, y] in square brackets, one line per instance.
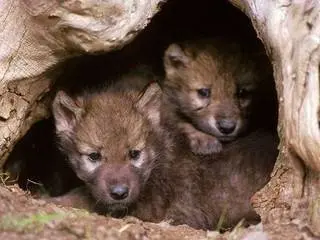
[290, 31]
[36, 35]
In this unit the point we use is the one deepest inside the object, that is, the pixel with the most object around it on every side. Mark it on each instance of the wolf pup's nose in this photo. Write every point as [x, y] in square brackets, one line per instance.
[119, 192]
[226, 126]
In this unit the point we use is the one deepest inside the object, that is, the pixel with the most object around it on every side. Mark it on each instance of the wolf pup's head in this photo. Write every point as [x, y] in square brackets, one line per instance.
[110, 142]
[213, 84]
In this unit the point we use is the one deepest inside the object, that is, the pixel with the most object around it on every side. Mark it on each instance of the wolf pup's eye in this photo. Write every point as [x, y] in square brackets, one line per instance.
[204, 92]
[243, 93]
[134, 154]
[95, 156]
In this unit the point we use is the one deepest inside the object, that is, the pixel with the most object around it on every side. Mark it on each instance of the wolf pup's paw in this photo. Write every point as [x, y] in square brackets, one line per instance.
[203, 144]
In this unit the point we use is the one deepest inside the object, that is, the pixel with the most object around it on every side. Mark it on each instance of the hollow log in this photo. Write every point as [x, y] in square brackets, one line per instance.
[290, 31]
[37, 35]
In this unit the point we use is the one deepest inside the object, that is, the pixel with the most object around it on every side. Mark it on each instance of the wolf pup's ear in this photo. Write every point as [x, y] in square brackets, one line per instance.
[149, 103]
[66, 112]
[175, 57]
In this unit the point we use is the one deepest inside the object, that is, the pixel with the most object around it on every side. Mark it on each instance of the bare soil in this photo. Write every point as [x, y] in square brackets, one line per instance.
[23, 217]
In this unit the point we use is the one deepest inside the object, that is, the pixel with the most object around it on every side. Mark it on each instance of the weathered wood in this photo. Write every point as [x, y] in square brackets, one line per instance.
[36, 35]
[290, 31]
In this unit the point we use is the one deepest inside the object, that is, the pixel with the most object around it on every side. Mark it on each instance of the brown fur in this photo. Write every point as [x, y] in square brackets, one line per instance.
[170, 183]
[237, 80]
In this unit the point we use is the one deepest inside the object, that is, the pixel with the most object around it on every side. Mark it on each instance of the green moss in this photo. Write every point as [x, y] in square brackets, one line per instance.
[29, 222]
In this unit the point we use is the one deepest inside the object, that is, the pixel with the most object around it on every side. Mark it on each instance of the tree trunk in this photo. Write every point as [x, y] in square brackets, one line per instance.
[36, 35]
[290, 31]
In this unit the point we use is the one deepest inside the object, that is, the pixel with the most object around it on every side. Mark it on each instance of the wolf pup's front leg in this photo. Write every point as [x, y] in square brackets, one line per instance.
[200, 142]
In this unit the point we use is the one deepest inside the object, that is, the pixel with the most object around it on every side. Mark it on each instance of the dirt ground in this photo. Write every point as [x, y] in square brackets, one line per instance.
[23, 217]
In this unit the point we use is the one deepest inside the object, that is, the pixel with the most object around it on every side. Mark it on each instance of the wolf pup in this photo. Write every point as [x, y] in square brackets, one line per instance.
[131, 165]
[215, 91]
